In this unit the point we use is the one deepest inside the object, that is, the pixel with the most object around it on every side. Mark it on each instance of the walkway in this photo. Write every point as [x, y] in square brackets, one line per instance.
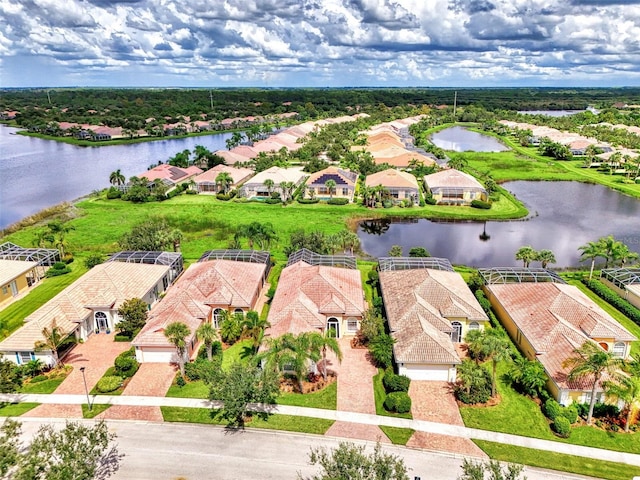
[355, 392]
[360, 418]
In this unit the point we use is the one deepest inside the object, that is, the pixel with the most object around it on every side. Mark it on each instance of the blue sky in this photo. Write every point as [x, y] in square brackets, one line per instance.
[319, 43]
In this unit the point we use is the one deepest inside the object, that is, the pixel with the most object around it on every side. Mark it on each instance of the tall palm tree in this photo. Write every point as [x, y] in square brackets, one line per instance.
[495, 347]
[254, 326]
[324, 342]
[299, 353]
[269, 184]
[609, 246]
[591, 361]
[208, 334]
[545, 257]
[224, 180]
[53, 338]
[621, 254]
[627, 389]
[59, 230]
[177, 333]
[117, 178]
[591, 250]
[527, 254]
[475, 346]
[331, 186]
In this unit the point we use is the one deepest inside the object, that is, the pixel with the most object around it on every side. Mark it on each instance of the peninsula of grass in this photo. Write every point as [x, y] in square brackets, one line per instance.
[558, 461]
[379, 394]
[16, 409]
[96, 409]
[397, 435]
[287, 423]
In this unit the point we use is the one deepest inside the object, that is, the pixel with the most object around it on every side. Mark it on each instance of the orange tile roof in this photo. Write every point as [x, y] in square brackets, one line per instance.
[392, 178]
[170, 173]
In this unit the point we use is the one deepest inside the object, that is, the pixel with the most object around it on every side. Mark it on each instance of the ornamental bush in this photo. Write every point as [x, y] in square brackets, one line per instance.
[109, 383]
[272, 201]
[398, 402]
[562, 427]
[308, 201]
[552, 409]
[337, 201]
[480, 204]
[570, 413]
[113, 193]
[395, 383]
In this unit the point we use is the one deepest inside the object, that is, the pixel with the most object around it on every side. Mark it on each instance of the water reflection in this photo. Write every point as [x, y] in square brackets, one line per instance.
[460, 139]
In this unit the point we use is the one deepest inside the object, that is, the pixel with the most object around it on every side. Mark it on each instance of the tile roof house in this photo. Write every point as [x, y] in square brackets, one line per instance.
[256, 188]
[624, 281]
[344, 179]
[547, 321]
[317, 298]
[88, 305]
[206, 182]
[16, 276]
[401, 185]
[453, 187]
[429, 311]
[202, 294]
[170, 175]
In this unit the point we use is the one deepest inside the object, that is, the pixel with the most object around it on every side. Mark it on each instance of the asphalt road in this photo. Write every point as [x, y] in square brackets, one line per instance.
[170, 451]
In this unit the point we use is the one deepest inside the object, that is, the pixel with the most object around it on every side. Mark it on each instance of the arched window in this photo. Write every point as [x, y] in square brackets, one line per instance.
[619, 349]
[102, 323]
[456, 335]
[474, 326]
[217, 317]
[333, 327]
[239, 310]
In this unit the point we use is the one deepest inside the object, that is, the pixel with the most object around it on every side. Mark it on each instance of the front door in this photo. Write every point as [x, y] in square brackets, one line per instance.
[101, 322]
[14, 288]
[333, 328]
[456, 335]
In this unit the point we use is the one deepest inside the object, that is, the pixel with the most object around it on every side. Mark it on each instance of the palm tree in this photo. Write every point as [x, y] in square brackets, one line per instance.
[117, 178]
[495, 347]
[474, 340]
[331, 186]
[621, 254]
[545, 257]
[526, 254]
[269, 184]
[590, 361]
[626, 389]
[208, 334]
[609, 246]
[457, 163]
[324, 342]
[58, 231]
[53, 338]
[591, 250]
[224, 180]
[177, 333]
[300, 351]
[254, 326]
[467, 373]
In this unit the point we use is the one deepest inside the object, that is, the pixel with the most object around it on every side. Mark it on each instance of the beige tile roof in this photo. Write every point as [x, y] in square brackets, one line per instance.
[232, 157]
[392, 178]
[278, 175]
[204, 285]
[400, 157]
[556, 319]
[237, 174]
[12, 269]
[420, 306]
[104, 286]
[308, 294]
[451, 178]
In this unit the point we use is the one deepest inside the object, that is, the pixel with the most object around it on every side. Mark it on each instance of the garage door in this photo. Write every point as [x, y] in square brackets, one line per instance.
[148, 355]
[426, 372]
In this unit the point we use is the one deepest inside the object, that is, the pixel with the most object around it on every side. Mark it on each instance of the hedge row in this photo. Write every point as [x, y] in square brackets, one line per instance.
[338, 201]
[480, 204]
[613, 298]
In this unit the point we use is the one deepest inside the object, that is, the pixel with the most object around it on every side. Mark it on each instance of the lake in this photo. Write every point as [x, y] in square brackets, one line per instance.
[39, 173]
[564, 215]
[460, 139]
[551, 113]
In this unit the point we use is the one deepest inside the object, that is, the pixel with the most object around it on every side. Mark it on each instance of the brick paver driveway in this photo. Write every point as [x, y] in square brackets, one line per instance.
[434, 402]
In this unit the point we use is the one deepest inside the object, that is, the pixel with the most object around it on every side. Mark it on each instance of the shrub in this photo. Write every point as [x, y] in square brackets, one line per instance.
[308, 201]
[272, 201]
[203, 369]
[602, 410]
[337, 201]
[93, 259]
[480, 204]
[180, 381]
[478, 394]
[58, 268]
[126, 367]
[381, 349]
[223, 196]
[109, 383]
[191, 192]
[562, 427]
[570, 413]
[121, 338]
[614, 299]
[430, 201]
[398, 402]
[552, 409]
[113, 193]
[33, 368]
[395, 383]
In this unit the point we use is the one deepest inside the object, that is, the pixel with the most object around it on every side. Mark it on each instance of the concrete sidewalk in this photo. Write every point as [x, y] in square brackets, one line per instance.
[353, 417]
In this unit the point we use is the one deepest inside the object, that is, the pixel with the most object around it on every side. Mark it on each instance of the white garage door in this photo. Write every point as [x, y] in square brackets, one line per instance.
[149, 355]
[426, 372]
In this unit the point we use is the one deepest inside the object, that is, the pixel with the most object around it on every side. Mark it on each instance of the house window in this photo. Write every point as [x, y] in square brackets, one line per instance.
[456, 335]
[352, 325]
[5, 290]
[345, 192]
[333, 327]
[25, 357]
[474, 326]
[619, 349]
[217, 317]
[238, 310]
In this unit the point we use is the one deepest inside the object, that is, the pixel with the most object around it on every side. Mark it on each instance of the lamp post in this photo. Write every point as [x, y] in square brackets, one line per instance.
[86, 390]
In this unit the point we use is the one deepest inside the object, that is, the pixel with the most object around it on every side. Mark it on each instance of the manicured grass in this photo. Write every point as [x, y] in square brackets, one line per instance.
[326, 398]
[235, 353]
[397, 435]
[365, 268]
[46, 386]
[195, 389]
[288, 423]
[96, 409]
[558, 461]
[379, 395]
[16, 409]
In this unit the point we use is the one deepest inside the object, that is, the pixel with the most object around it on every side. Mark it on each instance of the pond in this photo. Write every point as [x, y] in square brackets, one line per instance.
[460, 139]
[38, 173]
[564, 215]
[551, 113]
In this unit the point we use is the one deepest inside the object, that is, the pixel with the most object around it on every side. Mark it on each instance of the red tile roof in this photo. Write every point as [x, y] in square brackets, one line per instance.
[170, 173]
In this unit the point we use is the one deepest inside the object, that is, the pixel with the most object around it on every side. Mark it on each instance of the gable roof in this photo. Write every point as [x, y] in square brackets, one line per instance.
[170, 173]
[392, 178]
[452, 178]
[278, 175]
[12, 269]
[308, 294]
[421, 304]
[237, 174]
[557, 318]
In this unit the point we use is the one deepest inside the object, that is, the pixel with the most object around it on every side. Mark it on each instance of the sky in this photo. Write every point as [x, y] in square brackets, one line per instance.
[319, 43]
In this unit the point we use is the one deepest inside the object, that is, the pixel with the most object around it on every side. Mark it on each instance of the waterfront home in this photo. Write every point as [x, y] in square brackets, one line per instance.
[171, 175]
[317, 293]
[430, 310]
[453, 187]
[221, 283]
[548, 319]
[345, 183]
[90, 304]
[400, 185]
[207, 182]
[625, 282]
[257, 188]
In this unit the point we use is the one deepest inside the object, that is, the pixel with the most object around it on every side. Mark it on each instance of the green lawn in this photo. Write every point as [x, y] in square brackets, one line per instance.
[379, 395]
[195, 389]
[274, 422]
[96, 409]
[326, 398]
[519, 415]
[46, 386]
[558, 461]
[235, 353]
[397, 435]
[16, 409]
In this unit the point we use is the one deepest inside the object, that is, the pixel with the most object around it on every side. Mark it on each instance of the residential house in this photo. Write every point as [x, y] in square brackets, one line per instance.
[90, 304]
[625, 282]
[548, 319]
[430, 310]
[400, 185]
[170, 175]
[206, 182]
[223, 282]
[256, 188]
[453, 187]
[317, 293]
[345, 183]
